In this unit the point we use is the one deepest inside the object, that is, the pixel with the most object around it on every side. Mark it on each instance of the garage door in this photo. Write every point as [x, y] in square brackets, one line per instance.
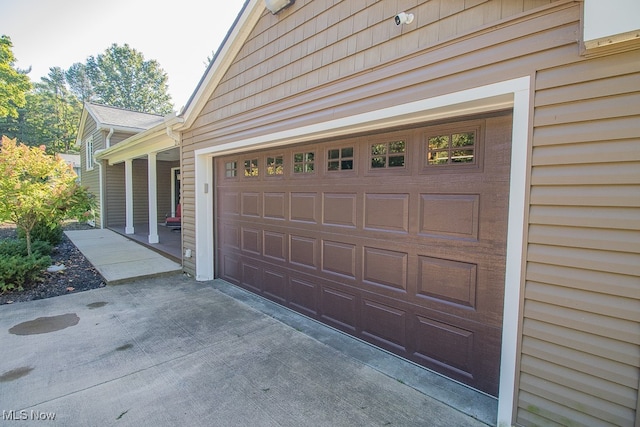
[397, 238]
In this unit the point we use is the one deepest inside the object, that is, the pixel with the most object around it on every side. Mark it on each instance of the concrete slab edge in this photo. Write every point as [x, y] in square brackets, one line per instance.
[445, 390]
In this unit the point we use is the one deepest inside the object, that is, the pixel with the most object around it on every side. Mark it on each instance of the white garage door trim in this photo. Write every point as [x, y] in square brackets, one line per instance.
[513, 93]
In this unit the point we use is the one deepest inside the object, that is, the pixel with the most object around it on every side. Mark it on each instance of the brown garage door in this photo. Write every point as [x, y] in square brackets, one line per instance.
[397, 238]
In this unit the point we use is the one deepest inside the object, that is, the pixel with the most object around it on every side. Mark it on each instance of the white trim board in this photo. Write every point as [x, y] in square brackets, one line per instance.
[514, 93]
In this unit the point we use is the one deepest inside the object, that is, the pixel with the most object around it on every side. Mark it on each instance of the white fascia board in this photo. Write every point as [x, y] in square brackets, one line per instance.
[152, 141]
[83, 120]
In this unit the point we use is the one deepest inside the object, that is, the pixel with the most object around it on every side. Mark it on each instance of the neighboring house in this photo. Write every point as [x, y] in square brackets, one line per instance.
[73, 160]
[462, 190]
[102, 130]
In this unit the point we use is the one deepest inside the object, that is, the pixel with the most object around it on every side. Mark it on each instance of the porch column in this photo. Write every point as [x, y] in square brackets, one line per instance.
[128, 189]
[153, 198]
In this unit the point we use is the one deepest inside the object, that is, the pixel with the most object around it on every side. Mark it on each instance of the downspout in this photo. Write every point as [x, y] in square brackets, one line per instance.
[100, 181]
[108, 142]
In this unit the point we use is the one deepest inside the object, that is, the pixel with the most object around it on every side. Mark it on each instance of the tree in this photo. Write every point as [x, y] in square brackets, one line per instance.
[121, 77]
[79, 82]
[36, 188]
[50, 116]
[14, 84]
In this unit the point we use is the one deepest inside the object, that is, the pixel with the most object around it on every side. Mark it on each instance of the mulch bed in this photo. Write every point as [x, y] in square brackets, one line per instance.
[79, 275]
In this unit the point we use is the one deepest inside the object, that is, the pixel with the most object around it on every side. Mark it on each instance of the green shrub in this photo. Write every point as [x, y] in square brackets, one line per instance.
[11, 247]
[51, 233]
[17, 270]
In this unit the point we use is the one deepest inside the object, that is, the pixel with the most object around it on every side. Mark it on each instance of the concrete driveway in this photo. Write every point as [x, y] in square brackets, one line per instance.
[170, 351]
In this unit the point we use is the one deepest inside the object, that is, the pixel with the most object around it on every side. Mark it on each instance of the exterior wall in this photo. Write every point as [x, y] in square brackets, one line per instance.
[114, 196]
[91, 177]
[115, 192]
[581, 333]
[324, 60]
[164, 188]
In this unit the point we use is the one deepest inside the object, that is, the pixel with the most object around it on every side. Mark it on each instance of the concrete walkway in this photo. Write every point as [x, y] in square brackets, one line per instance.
[119, 259]
[171, 351]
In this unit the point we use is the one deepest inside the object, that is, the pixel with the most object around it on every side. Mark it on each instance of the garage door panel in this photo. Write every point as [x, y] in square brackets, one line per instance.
[339, 308]
[386, 268]
[303, 251]
[384, 325]
[251, 240]
[304, 296]
[451, 281]
[386, 212]
[303, 207]
[250, 205]
[444, 345]
[339, 259]
[450, 215]
[275, 205]
[275, 245]
[406, 254]
[339, 209]
[252, 275]
[275, 285]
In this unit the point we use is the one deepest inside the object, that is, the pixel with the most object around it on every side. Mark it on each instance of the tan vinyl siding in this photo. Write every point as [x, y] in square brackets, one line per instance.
[268, 88]
[91, 177]
[581, 330]
[114, 195]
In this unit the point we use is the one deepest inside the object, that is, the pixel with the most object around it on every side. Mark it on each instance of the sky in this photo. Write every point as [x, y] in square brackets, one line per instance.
[180, 35]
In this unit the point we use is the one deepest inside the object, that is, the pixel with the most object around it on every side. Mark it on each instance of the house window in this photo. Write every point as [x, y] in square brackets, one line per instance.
[388, 155]
[303, 162]
[89, 154]
[275, 165]
[231, 169]
[251, 168]
[340, 159]
[451, 149]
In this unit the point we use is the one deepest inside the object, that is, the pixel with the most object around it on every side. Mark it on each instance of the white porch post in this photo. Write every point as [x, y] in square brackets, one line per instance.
[128, 188]
[153, 198]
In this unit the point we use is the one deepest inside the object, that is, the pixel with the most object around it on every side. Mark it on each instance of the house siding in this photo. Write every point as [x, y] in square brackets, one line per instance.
[318, 61]
[91, 177]
[581, 334]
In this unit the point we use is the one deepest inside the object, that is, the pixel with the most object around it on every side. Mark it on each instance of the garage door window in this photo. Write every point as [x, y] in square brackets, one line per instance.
[451, 149]
[251, 168]
[388, 155]
[231, 169]
[340, 159]
[275, 165]
[304, 162]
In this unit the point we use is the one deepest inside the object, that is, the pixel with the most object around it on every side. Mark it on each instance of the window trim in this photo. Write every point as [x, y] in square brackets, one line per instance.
[88, 153]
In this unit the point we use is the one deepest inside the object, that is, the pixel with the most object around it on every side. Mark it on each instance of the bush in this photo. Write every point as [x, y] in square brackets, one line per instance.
[11, 247]
[51, 233]
[16, 270]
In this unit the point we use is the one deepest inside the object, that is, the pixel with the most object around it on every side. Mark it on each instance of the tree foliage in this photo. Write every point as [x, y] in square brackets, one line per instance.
[48, 112]
[121, 77]
[36, 188]
[14, 84]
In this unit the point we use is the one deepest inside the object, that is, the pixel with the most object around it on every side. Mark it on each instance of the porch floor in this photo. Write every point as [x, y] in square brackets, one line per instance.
[170, 243]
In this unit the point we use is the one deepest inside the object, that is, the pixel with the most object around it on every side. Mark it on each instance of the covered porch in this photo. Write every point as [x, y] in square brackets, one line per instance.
[169, 242]
[141, 186]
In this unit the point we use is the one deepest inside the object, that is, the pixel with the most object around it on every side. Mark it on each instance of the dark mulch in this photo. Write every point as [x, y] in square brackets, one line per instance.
[78, 275]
